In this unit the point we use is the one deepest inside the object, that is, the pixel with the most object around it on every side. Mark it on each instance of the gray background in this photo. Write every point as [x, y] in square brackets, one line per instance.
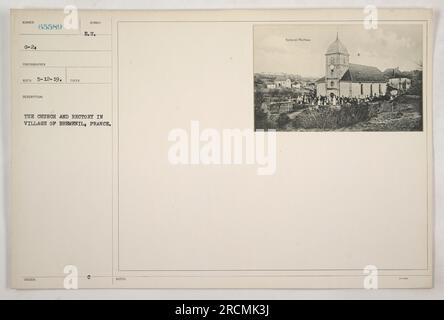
[438, 117]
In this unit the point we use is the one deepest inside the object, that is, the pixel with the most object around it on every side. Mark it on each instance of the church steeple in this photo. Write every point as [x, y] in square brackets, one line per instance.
[336, 63]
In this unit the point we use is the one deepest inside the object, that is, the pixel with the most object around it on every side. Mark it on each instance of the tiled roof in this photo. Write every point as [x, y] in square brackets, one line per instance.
[361, 73]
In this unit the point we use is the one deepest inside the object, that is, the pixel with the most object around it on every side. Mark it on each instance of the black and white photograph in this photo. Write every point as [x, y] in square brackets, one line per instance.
[345, 77]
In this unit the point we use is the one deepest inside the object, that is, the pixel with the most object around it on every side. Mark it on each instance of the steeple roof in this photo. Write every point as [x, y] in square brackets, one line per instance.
[337, 47]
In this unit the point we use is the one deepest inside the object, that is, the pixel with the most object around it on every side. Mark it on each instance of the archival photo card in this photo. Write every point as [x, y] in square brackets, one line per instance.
[145, 151]
[338, 77]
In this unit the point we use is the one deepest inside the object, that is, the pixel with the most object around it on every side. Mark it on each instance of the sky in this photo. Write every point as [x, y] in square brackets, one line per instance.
[300, 49]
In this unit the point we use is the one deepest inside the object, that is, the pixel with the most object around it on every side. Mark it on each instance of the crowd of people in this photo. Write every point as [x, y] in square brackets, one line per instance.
[339, 101]
[312, 101]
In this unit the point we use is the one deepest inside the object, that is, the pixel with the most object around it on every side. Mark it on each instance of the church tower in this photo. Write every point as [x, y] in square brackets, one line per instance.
[337, 63]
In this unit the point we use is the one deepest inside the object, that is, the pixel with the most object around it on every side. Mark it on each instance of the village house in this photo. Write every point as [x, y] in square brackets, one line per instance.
[398, 80]
[296, 85]
[402, 84]
[282, 83]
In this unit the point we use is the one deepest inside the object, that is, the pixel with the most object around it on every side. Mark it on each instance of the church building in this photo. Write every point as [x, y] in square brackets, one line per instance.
[344, 79]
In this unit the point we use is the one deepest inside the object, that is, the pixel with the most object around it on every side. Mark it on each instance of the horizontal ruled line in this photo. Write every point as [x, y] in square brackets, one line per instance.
[58, 83]
[61, 50]
[39, 66]
[63, 34]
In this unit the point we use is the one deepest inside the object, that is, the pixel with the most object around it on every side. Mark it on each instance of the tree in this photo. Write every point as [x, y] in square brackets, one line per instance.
[260, 117]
